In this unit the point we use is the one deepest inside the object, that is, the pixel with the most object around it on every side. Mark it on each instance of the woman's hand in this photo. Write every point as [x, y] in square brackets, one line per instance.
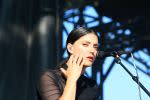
[73, 72]
[75, 67]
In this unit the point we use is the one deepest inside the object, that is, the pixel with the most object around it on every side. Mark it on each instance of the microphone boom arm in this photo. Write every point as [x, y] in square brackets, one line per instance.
[135, 78]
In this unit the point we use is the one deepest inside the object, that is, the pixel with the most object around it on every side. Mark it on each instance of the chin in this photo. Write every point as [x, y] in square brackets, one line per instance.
[88, 63]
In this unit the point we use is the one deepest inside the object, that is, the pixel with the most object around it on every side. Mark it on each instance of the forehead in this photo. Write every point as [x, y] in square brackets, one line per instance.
[89, 37]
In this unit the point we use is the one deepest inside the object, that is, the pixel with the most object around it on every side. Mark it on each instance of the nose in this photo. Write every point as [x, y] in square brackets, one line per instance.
[93, 51]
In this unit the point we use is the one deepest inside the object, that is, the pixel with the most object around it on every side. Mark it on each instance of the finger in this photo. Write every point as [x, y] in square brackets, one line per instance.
[63, 71]
[75, 59]
[82, 62]
[70, 60]
[80, 58]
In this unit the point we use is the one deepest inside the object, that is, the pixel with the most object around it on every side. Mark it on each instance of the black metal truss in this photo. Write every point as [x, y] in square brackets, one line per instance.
[120, 40]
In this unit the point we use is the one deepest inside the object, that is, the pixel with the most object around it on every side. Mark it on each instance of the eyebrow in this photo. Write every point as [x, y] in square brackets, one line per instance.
[90, 42]
[86, 41]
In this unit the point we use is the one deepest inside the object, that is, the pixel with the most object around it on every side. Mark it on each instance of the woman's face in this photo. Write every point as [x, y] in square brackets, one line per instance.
[86, 46]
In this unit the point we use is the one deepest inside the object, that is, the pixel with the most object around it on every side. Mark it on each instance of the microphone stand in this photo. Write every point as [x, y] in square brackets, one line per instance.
[135, 78]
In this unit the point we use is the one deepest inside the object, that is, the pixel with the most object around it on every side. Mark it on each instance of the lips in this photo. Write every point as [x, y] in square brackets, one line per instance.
[90, 58]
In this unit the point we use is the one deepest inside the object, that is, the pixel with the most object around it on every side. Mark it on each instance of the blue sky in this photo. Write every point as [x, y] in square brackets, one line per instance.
[120, 86]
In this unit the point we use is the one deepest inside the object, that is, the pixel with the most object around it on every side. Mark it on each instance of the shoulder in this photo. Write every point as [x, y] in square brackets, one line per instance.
[47, 77]
[49, 73]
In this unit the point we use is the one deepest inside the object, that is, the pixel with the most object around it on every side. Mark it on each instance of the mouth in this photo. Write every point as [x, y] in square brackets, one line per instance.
[90, 58]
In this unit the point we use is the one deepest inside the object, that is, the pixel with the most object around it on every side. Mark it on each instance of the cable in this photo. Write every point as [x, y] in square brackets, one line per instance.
[136, 75]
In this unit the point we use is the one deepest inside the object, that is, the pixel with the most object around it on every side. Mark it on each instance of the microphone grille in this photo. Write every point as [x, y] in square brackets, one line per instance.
[100, 54]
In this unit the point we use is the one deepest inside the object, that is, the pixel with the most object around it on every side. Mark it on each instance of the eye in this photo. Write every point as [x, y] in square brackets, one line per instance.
[96, 47]
[85, 44]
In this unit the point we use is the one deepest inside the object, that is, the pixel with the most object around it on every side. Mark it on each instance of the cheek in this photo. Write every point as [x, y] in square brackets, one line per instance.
[80, 50]
[95, 53]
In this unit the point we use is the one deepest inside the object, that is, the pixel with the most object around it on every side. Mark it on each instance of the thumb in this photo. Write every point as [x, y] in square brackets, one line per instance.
[63, 71]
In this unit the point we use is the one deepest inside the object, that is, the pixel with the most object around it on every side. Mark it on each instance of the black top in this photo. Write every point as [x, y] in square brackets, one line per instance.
[52, 82]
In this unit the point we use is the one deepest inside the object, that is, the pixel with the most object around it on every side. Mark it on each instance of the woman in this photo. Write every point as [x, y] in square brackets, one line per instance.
[68, 82]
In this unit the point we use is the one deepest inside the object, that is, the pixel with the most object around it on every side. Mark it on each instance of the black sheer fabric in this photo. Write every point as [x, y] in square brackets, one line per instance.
[52, 82]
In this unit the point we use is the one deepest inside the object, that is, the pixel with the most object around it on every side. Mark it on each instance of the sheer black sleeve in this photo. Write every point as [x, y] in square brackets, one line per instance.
[48, 87]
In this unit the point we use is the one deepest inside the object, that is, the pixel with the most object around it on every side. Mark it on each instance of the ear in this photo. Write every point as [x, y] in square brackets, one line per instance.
[70, 48]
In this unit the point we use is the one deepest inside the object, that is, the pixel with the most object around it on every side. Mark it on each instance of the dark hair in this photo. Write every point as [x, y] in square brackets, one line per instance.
[75, 34]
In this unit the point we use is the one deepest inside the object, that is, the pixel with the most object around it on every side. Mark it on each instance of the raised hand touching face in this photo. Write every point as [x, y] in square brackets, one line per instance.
[75, 67]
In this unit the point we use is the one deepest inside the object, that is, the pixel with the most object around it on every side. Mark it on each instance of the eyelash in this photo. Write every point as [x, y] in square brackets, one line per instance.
[94, 46]
[85, 44]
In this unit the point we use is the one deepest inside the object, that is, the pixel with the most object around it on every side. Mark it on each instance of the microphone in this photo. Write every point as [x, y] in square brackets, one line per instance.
[103, 54]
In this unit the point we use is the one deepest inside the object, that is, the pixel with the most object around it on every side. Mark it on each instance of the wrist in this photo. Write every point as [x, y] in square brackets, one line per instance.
[71, 80]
